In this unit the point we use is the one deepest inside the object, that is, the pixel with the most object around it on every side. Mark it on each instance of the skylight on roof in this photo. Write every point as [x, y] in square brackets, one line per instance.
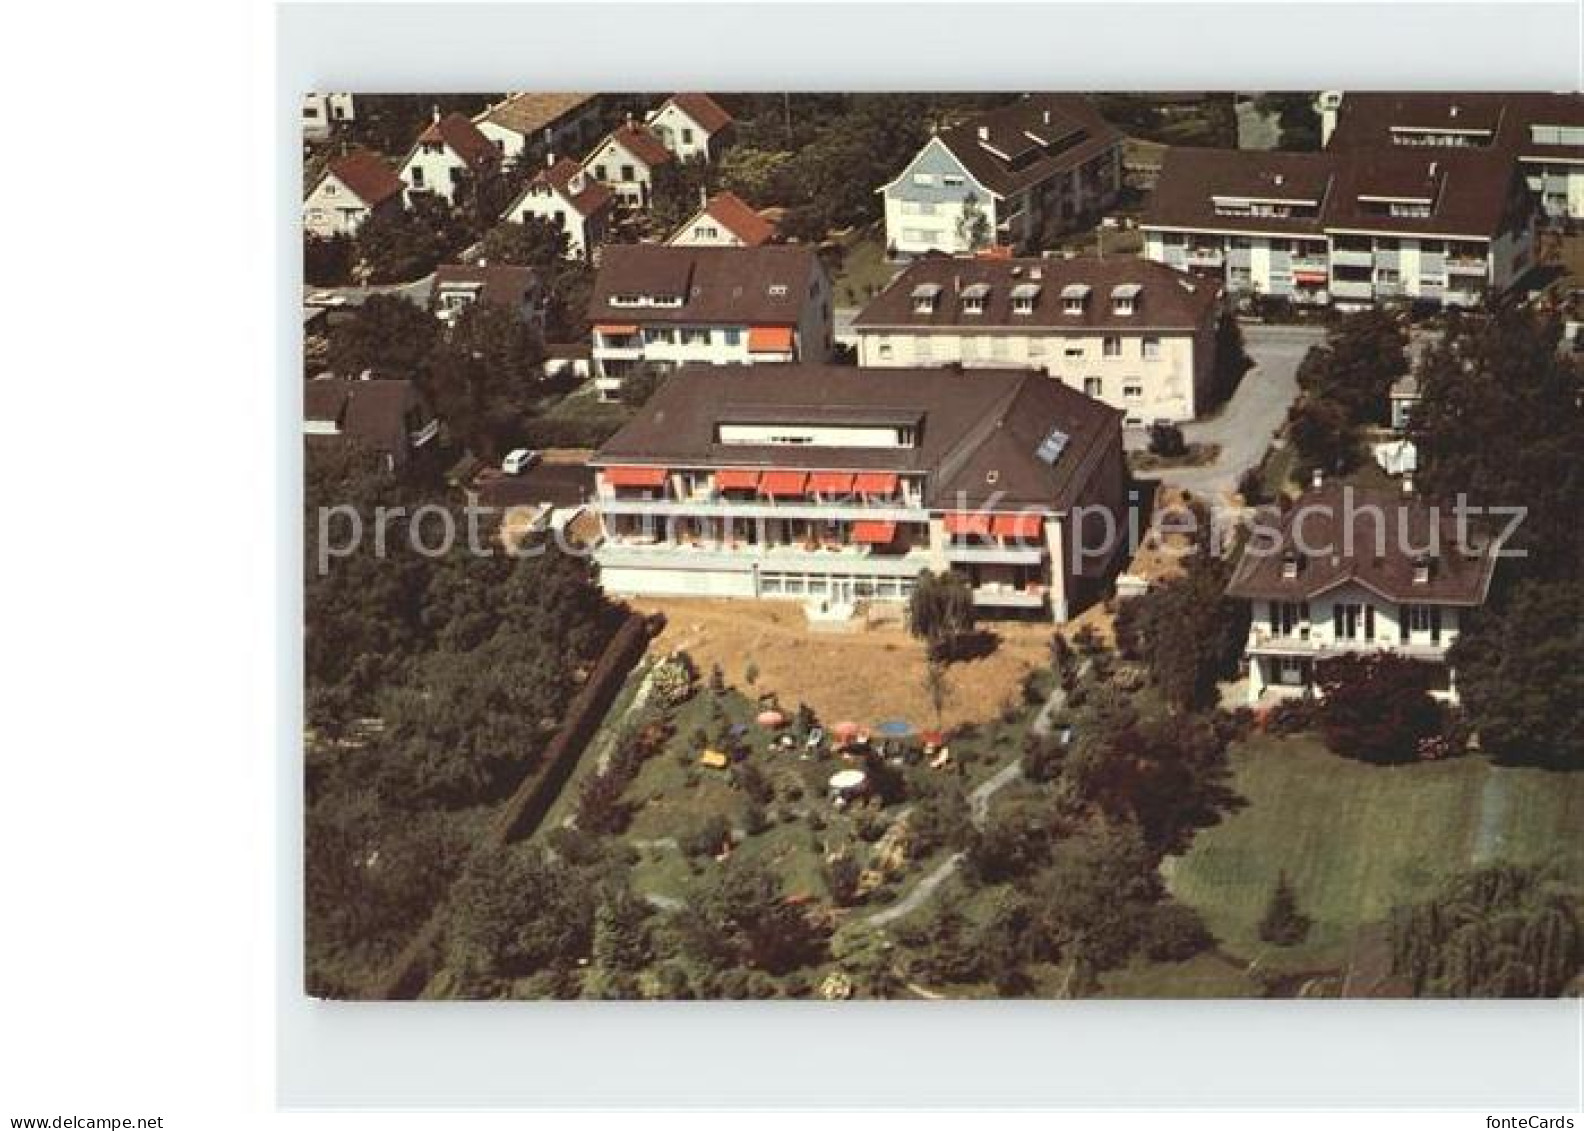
[1052, 446]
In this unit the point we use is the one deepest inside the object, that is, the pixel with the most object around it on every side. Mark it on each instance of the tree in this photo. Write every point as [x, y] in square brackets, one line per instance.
[1323, 436]
[621, 931]
[940, 816]
[387, 334]
[516, 912]
[1231, 360]
[1498, 931]
[401, 245]
[739, 917]
[1167, 777]
[1520, 672]
[1166, 439]
[1354, 368]
[1376, 707]
[937, 686]
[973, 226]
[941, 612]
[1187, 631]
[532, 242]
[1283, 924]
[327, 262]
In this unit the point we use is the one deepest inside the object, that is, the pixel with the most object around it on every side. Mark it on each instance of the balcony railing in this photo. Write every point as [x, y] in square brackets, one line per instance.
[1353, 257]
[1302, 643]
[1008, 553]
[718, 506]
[1010, 596]
[832, 558]
[1466, 266]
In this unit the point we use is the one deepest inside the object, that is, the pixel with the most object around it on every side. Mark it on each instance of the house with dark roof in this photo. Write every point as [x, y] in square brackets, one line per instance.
[1015, 176]
[566, 197]
[655, 307]
[1541, 133]
[505, 286]
[352, 188]
[450, 150]
[534, 127]
[694, 127]
[836, 486]
[1348, 570]
[1134, 334]
[724, 220]
[388, 415]
[1349, 228]
[625, 161]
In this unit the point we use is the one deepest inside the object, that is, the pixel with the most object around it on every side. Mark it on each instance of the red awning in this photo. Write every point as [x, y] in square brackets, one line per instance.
[736, 479]
[875, 483]
[619, 329]
[783, 484]
[831, 482]
[963, 522]
[874, 533]
[635, 476]
[1018, 525]
[1310, 276]
[769, 339]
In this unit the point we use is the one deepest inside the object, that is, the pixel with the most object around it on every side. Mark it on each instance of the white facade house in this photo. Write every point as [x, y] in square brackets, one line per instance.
[535, 127]
[350, 190]
[724, 220]
[692, 126]
[447, 153]
[1133, 334]
[625, 161]
[1373, 571]
[1016, 176]
[322, 112]
[656, 308]
[835, 486]
[1349, 229]
[566, 197]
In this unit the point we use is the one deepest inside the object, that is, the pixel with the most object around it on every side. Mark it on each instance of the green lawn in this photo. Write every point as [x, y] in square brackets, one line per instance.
[1356, 839]
[864, 270]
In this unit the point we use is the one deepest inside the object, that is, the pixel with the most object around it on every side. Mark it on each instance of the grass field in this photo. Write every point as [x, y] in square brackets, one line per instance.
[864, 270]
[1356, 839]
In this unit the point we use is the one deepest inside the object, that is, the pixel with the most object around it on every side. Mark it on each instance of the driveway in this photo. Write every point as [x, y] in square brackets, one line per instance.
[1246, 423]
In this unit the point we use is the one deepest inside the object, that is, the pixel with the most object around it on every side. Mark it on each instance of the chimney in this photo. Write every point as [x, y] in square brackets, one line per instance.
[1045, 116]
[1289, 565]
[1317, 480]
[1278, 179]
[956, 284]
[1452, 111]
[703, 196]
[1421, 574]
[984, 133]
[434, 112]
[549, 158]
[1407, 483]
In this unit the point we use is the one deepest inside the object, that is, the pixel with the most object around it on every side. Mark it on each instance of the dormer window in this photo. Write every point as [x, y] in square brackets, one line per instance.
[1289, 566]
[925, 296]
[626, 300]
[778, 290]
[974, 298]
[1024, 295]
[1124, 298]
[1075, 296]
[666, 300]
[1422, 569]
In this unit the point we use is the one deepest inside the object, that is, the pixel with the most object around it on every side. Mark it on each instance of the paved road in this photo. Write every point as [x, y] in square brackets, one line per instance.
[1246, 423]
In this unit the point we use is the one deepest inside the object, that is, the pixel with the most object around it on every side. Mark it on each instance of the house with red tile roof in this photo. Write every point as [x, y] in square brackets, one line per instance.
[352, 188]
[626, 161]
[692, 126]
[724, 220]
[567, 197]
[449, 151]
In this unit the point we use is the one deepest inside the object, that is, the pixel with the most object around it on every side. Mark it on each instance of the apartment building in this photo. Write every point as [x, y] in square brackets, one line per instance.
[1373, 570]
[837, 485]
[1541, 134]
[1131, 333]
[657, 307]
[1032, 170]
[1344, 228]
[321, 113]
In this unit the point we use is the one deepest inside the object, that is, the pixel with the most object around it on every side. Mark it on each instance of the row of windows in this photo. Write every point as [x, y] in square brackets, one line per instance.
[835, 587]
[997, 346]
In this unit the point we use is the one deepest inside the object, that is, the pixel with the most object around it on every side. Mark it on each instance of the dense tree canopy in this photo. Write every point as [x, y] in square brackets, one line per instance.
[1187, 631]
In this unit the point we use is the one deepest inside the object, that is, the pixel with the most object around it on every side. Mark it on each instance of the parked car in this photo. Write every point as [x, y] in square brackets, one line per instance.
[519, 460]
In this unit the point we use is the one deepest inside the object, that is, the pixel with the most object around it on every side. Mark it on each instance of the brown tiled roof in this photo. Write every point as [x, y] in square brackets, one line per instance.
[376, 411]
[500, 284]
[1356, 522]
[717, 284]
[1472, 191]
[1066, 132]
[1169, 299]
[1365, 118]
[704, 110]
[734, 214]
[367, 176]
[640, 143]
[594, 196]
[1190, 177]
[977, 433]
[529, 113]
[463, 138]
